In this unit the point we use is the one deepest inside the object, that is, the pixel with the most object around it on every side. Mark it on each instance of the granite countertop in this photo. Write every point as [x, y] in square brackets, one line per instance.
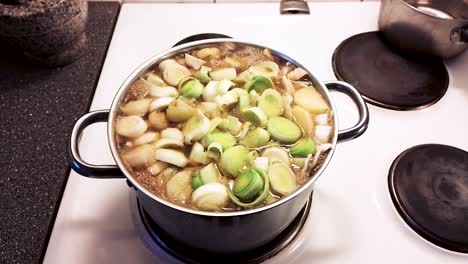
[38, 107]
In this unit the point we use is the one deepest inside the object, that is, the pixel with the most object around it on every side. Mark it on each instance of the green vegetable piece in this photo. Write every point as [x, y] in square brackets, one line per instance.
[282, 178]
[225, 139]
[215, 122]
[242, 96]
[196, 127]
[248, 185]
[203, 74]
[260, 198]
[283, 130]
[303, 147]
[256, 138]
[214, 150]
[299, 162]
[271, 103]
[255, 115]
[231, 124]
[207, 174]
[191, 87]
[253, 95]
[233, 160]
[155, 79]
[259, 84]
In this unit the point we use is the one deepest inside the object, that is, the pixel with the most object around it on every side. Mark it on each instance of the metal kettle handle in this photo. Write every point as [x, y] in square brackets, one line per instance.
[77, 163]
[361, 125]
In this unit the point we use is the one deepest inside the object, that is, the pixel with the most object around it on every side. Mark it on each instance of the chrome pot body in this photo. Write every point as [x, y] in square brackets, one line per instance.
[435, 27]
[218, 232]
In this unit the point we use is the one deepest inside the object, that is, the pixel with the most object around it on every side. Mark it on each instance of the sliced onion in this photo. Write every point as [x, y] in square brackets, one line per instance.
[179, 187]
[156, 168]
[172, 133]
[130, 126]
[226, 99]
[297, 74]
[321, 119]
[168, 143]
[265, 68]
[160, 103]
[193, 62]
[275, 154]
[173, 72]
[210, 91]
[146, 138]
[210, 197]
[140, 156]
[164, 91]
[171, 156]
[196, 127]
[223, 74]
[320, 149]
[198, 154]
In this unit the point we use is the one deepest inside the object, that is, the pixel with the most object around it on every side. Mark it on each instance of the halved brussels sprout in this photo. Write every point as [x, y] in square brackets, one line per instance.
[191, 87]
[233, 159]
[256, 138]
[271, 103]
[259, 84]
[282, 178]
[303, 148]
[179, 111]
[255, 115]
[261, 196]
[210, 197]
[283, 129]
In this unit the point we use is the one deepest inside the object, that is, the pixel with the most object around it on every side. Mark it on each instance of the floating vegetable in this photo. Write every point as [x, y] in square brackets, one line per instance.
[155, 80]
[214, 150]
[233, 159]
[253, 96]
[146, 138]
[173, 72]
[168, 143]
[282, 178]
[299, 162]
[172, 133]
[265, 68]
[171, 156]
[233, 62]
[215, 88]
[271, 103]
[210, 197]
[179, 111]
[179, 187]
[323, 133]
[303, 148]
[276, 154]
[158, 120]
[225, 99]
[261, 163]
[297, 74]
[208, 174]
[196, 127]
[258, 84]
[256, 138]
[208, 52]
[138, 107]
[287, 84]
[164, 176]
[303, 119]
[214, 123]
[321, 119]
[160, 103]
[203, 74]
[223, 74]
[231, 124]
[287, 101]
[156, 168]
[248, 186]
[198, 154]
[255, 115]
[225, 139]
[242, 98]
[283, 129]
[311, 100]
[243, 77]
[193, 62]
[140, 156]
[191, 87]
[130, 126]
[163, 91]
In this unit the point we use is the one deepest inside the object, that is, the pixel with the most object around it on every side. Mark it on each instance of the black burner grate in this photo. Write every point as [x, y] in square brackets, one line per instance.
[387, 78]
[429, 187]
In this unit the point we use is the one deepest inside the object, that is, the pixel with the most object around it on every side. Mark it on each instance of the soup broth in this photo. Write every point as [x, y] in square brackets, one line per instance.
[223, 128]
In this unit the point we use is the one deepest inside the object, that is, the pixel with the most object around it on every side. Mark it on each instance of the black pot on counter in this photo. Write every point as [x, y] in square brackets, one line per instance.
[218, 232]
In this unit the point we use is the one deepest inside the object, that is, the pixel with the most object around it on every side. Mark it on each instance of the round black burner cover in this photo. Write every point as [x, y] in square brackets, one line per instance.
[190, 255]
[388, 78]
[429, 187]
[200, 36]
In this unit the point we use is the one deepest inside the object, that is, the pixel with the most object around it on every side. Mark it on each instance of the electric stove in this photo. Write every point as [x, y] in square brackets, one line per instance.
[358, 214]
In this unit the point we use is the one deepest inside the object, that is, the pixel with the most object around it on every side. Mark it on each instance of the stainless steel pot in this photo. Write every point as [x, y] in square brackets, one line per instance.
[228, 232]
[436, 27]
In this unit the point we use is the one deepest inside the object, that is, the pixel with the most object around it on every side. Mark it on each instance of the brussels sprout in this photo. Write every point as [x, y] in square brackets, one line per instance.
[256, 138]
[258, 84]
[283, 129]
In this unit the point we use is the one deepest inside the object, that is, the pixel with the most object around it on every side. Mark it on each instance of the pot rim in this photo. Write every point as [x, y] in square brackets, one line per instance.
[149, 64]
[455, 19]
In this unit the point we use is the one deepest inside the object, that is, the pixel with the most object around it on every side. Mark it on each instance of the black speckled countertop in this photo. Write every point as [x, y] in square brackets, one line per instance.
[38, 107]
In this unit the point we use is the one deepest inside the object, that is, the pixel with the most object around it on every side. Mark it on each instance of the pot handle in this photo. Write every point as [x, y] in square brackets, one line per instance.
[460, 34]
[77, 163]
[361, 126]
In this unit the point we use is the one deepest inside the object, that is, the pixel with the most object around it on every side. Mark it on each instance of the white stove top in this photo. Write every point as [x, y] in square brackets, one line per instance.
[352, 219]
